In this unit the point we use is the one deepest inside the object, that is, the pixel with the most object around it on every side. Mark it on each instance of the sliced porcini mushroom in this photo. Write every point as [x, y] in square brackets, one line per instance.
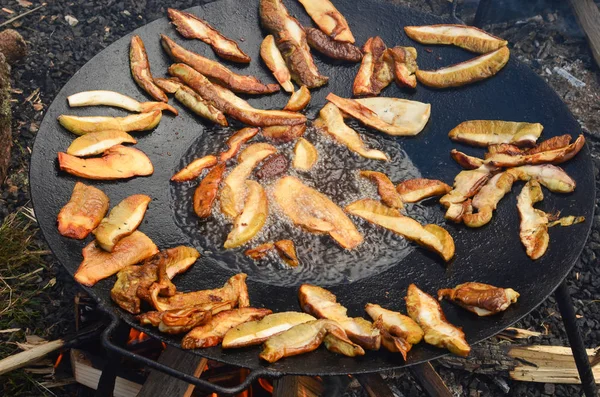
[331, 121]
[492, 132]
[467, 183]
[274, 60]
[177, 321]
[414, 190]
[429, 236]
[98, 264]
[386, 189]
[427, 312]
[98, 142]
[315, 212]
[287, 252]
[206, 192]
[466, 161]
[403, 61]
[290, 38]
[83, 213]
[305, 155]
[260, 251]
[273, 167]
[135, 122]
[299, 100]
[534, 223]
[456, 211]
[396, 323]
[567, 221]
[374, 73]
[122, 220]
[479, 298]
[169, 85]
[190, 99]
[471, 71]
[233, 193]
[195, 168]
[556, 142]
[192, 27]
[140, 69]
[391, 343]
[553, 156]
[235, 142]
[256, 332]
[283, 133]
[393, 116]
[329, 19]
[467, 37]
[118, 162]
[335, 49]
[252, 218]
[112, 98]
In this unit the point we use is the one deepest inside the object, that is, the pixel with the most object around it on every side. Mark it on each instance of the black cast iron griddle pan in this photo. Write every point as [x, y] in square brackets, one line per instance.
[491, 255]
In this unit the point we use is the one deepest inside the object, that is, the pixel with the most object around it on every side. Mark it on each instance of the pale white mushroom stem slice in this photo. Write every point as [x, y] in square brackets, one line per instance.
[112, 98]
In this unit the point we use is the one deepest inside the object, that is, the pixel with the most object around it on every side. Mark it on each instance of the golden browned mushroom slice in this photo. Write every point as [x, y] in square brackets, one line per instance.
[331, 122]
[534, 223]
[299, 100]
[315, 212]
[385, 188]
[112, 98]
[118, 162]
[235, 142]
[252, 218]
[471, 71]
[391, 343]
[83, 212]
[481, 299]
[206, 192]
[287, 252]
[260, 251]
[556, 142]
[232, 105]
[140, 69]
[394, 116]
[256, 332]
[283, 133]
[403, 61]
[175, 322]
[190, 99]
[467, 183]
[328, 19]
[467, 37]
[396, 323]
[122, 221]
[466, 161]
[290, 38]
[431, 237]
[427, 312]
[169, 85]
[413, 190]
[567, 221]
[305, 155]
[192, 27]
[195, 168]
[274, 60]
[374, 73]
[331, 47]
[212, 333]
[491, 132]
[553, 156]
[216, 71]
[134, 281]
[456, 211]
[306, 337]
[323, 304]
[233, 193]
[98, 264]
[135, 122]
[98, 142]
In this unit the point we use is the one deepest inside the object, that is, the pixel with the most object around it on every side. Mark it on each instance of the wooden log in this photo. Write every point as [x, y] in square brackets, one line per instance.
[27, 357]
[374, 385]
[430, 380]
[297, 386]
[588, 17]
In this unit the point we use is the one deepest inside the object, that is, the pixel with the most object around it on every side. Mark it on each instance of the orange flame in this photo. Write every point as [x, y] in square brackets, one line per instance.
[136, 336]
[58, 360]
[266, 385]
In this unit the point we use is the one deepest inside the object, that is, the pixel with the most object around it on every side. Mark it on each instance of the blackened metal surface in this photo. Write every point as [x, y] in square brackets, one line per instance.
[492, 254]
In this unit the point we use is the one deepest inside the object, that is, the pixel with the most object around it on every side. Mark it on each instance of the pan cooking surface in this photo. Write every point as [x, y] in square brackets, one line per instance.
[378, 272]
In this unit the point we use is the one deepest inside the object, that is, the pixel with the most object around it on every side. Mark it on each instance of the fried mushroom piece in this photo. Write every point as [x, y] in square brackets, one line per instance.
[427, 312]
[396, 323]
[260, 251]
[98, 264]
[283, 133]
[206, 192]
[386, 189]
[175, 322]
[212, 333]
[98, 142]
[538, 156]
[195, 168]
[118, 162]
[305, 155]
[374, 73]
[112, 98]
[492, 132]
[329, 19]
[315, 212]
[134, 122]
[272, 57]
[403, 61]
[191, 100]
[306, 337]
[467, 37]
[290, 38]
[275, 166]
[252, 218]
[534, 223]
[321, 303]
[335, 49]
[192, 27]
[287, 252]
[466, 161]
[481, 299]
[467, 183]
[567, 221]
[471, 71]
[83, 213]
[299, 100]
[169, 85]
[140, 69]
[235, 142]
[414, 190]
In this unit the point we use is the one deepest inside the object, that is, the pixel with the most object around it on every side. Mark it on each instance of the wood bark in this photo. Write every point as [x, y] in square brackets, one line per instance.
[588, 17]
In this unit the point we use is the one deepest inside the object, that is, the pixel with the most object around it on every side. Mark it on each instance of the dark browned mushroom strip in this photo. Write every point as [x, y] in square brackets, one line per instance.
[206, 192]
[332, 48]
[553, 156]
[374, 73]
[169, 85]
[140, 69]
[481, 299]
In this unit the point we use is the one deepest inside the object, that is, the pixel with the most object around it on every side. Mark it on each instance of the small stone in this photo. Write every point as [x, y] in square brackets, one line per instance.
[71, 20]
[549, 389]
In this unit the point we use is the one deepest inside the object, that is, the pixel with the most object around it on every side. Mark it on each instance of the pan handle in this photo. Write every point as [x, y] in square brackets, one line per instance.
[203, 384]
